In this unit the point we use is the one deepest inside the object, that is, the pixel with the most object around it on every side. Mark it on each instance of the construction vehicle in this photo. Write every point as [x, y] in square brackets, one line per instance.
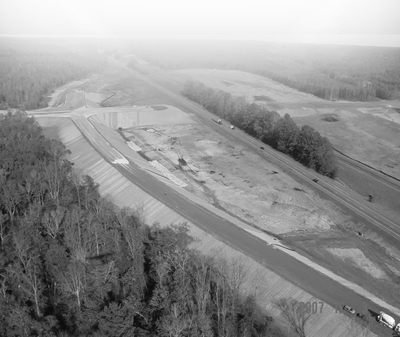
[388, 321]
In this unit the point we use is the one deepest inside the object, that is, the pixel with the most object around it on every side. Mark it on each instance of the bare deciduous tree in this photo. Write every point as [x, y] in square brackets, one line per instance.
[53, 172]
[26, 269]
[76, 178]
[294, 314]
[233, 271]
[177, 323]
[202, 277]
[2, 228]
[73, 281]
[77, 237]
[52, 220]
[10, 197]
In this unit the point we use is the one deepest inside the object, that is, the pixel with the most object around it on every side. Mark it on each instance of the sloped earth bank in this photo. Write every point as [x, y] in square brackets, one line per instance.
[243, 184]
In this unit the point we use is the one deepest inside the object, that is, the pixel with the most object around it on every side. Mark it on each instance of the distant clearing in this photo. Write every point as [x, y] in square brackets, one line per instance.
[249, 86]
[130, 91]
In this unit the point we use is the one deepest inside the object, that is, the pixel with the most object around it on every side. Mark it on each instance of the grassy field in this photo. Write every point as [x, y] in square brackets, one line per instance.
[362, 136]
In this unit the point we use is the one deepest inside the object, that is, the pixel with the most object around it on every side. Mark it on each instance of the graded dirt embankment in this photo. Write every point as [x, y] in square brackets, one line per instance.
[259, 281]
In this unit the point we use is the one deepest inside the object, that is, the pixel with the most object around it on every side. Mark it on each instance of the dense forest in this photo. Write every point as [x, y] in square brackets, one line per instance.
[30, 69]
[73, 264]
[305, 145]
[331, 72]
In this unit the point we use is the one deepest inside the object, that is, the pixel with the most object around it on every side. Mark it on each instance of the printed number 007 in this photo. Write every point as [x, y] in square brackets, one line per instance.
[311, 307]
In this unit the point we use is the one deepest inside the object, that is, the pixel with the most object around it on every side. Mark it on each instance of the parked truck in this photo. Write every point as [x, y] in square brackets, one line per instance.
[388, 321]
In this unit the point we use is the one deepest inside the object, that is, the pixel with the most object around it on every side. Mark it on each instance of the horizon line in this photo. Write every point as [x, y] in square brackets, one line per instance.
[376, 40]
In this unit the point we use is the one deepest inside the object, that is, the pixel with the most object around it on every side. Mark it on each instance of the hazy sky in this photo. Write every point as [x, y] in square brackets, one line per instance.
[374, 22]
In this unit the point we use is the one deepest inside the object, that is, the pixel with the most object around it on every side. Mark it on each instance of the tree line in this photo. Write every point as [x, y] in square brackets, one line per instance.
[304, 144]
[73, 264]
[30, 69]
[353, 73]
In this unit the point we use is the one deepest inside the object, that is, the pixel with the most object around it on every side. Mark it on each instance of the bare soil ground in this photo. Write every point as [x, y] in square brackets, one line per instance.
[243, 184]
[227, 173]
